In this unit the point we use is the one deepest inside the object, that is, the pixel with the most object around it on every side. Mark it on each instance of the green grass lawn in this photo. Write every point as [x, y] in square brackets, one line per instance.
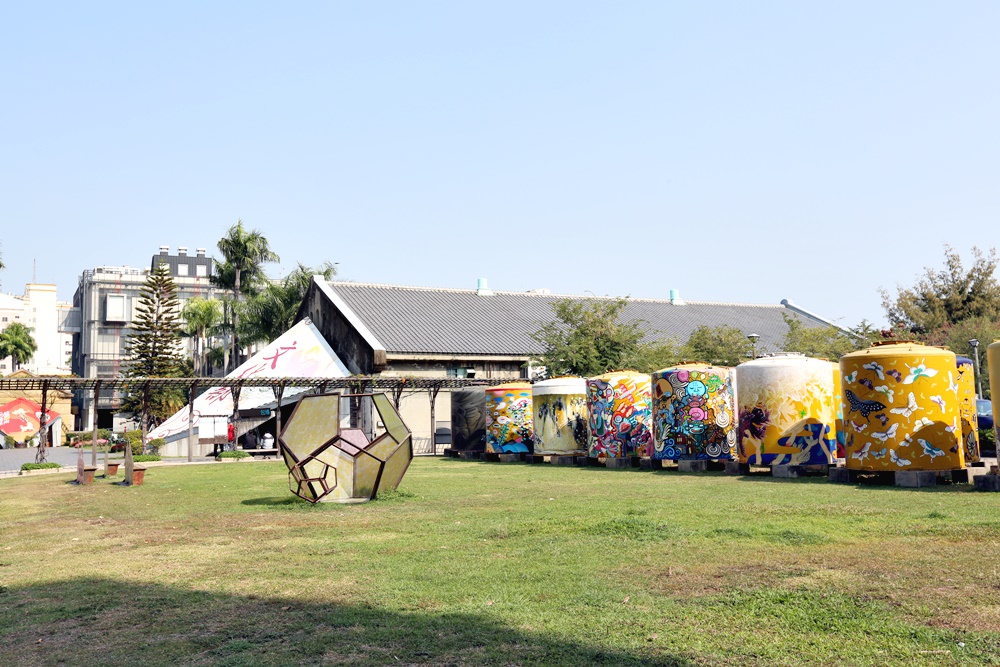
[477, 563]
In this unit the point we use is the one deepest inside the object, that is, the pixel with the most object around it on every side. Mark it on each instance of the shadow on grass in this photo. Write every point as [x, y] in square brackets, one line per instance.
[101, 621]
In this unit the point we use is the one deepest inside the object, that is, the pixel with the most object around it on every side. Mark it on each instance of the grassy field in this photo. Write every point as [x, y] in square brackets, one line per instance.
[477, 563]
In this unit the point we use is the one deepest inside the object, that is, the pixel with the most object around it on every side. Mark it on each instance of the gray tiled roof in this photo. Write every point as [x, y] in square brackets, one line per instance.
[456, 322]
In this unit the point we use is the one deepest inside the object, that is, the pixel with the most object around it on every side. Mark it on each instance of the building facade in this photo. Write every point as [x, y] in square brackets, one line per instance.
[106, 301]
[52, 326]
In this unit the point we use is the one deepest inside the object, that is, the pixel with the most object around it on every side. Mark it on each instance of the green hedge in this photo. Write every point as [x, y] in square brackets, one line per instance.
[236, 454]
[39, 466]
[141, 458]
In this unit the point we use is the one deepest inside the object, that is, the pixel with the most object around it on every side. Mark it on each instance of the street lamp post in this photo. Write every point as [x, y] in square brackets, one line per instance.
[975, 365]
[753, 344]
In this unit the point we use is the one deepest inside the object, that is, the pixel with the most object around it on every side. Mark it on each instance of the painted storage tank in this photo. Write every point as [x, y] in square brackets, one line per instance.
[838, 408]
[620, 411]
[993, 371]
[787, 413]
[901, 408]
[967, 409]
[508, 418]
[468, 419]
[560, 416]
[694, 413]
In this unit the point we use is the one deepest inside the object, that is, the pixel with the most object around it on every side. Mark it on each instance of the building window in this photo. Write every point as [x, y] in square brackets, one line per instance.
[115, 308]
[201, 270]
[182, 269]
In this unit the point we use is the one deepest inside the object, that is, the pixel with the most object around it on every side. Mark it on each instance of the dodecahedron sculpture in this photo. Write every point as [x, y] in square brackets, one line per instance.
[344, 448]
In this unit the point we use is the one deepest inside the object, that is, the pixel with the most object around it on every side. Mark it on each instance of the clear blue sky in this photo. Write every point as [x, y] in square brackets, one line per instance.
[735, 151]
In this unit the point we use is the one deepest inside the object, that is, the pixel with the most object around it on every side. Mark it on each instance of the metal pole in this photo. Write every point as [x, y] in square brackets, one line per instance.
[93, 434]
[433, 396]
[975, 360]
[277, 415]
[191, 392]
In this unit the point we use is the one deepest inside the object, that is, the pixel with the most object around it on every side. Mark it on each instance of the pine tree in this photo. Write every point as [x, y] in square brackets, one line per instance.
[155, 342]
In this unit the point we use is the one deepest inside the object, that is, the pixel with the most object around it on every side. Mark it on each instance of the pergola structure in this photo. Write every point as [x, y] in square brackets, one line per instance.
[358, 384]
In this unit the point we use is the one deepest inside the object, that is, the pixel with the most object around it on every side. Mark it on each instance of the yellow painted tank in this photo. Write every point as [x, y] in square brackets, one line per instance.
[560, 416]
[786, 411]
[694, 413]
[967, 409]
[620, 410]
[993, 371]
[508, 420]
[901, 408]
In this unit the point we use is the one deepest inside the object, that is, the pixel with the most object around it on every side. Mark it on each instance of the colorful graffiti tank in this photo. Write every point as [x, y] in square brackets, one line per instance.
[787, 413]
[560, 416]
[508, 419]
[620, 414]
[901, 408]
[967, 409]
[693, 413]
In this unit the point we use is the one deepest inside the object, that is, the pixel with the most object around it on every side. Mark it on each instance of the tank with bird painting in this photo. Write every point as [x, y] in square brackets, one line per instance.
[901, 408]
[967, 409]
[787, 411]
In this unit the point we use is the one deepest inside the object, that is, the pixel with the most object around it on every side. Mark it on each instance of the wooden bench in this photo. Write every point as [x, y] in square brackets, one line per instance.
[265, 453]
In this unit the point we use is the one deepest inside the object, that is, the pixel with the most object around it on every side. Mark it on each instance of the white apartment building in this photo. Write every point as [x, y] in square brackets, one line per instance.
[52, 326]
[106, 300]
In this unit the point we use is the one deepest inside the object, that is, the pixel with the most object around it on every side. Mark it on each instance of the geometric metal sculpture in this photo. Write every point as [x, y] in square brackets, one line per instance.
[344, 448]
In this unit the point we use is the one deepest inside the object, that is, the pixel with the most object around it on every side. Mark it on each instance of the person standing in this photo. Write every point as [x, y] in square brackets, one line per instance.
[230, 436]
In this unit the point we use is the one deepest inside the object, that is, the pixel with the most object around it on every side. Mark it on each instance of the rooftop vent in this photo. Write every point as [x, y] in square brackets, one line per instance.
[182, 251]
[164, 250]
[201, 252]
[675, 297]
[482, 288]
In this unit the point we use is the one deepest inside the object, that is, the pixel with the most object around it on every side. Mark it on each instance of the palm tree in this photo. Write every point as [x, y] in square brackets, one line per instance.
[201, 317]
[272, 311]
[16, 342]
[244, 252]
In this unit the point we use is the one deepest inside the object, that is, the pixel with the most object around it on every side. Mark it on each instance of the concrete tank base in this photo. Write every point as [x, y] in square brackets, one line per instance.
[914, 479]
[987, 483]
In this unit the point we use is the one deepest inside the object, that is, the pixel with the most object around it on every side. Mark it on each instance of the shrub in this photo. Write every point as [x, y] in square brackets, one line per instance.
[39, 466]
[235, 454]
[155, 444]
[142, 458]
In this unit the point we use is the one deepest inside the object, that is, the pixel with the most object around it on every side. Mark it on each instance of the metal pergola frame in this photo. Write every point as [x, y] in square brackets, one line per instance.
[394, 386]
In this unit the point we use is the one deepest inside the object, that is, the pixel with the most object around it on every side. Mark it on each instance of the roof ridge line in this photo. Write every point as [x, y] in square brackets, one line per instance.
[460, 290]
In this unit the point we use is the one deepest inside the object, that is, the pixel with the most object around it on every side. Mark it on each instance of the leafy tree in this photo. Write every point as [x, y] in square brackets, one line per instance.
[723, 345]
[956, 338]
[271, 312]
[201, 317]
[656, 355]
[245, 253]
[827, 342]
[587, 338]
[947, 296]
[17, 343]
[154, 345]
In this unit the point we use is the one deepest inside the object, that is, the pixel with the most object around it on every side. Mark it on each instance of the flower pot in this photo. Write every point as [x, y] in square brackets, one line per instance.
[138, 474]
[88, 475]
[111, 469]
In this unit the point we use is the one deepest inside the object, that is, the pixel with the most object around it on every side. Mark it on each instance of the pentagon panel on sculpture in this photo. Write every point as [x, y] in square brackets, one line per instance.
[345, 448]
